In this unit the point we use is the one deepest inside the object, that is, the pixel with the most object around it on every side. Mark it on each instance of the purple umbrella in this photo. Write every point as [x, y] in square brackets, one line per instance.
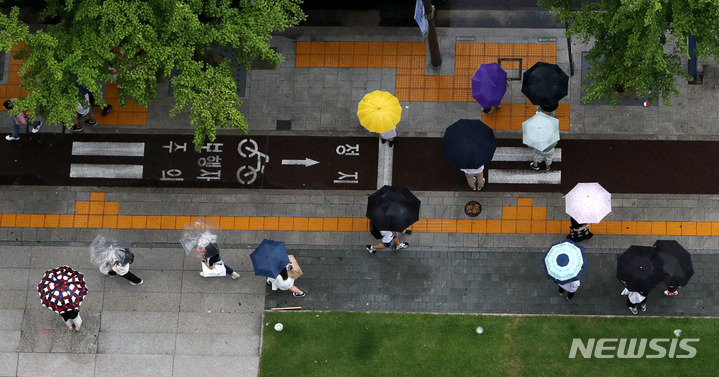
[489, 84]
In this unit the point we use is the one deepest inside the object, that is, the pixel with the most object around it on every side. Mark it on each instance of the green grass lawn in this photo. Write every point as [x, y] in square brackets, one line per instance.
[403, 344]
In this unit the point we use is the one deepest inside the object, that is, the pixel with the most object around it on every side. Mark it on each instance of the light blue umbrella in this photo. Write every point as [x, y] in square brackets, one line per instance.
[270, 258]
[540, 131]
[565, 262]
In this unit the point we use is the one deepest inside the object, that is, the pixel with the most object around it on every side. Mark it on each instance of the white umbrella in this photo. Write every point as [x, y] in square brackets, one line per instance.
[540, 131]
[588, 203]
[564, 262]
[199, 233]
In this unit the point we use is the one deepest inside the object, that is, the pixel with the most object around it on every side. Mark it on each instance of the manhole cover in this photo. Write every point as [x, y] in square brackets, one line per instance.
[473, 208]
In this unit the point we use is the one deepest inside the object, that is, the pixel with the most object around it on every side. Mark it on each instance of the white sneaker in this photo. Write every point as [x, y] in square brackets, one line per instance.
[402, 246]
[10, 138]
[141, 281]
[235, 275]
[37, 129]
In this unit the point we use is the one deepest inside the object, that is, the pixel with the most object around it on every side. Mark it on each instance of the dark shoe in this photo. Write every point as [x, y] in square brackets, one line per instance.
[382, 140]
[370, 249]
[391, 143]
[301, 294]
[531, 165]
[106, 110]
[76, 128]
[90, 122]
[141, 281]
[561, 291]
[407, 231]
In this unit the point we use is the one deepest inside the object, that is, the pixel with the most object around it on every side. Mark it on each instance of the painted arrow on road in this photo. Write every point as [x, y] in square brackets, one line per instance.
[306, 162]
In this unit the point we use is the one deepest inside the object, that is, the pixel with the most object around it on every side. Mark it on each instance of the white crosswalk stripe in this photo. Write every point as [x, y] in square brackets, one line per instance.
[107, 149]
[523, 176]
[116, 171]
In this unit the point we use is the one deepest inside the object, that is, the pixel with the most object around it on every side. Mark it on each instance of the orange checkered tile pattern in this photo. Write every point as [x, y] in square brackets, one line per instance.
[524, 218]
[413, 85]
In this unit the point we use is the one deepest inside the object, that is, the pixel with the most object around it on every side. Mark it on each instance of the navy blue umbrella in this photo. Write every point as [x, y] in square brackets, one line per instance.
[393, 208]
[469, 144]
[270, 258]
[545, 84]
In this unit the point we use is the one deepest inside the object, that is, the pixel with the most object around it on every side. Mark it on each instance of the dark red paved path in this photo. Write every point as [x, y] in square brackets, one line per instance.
[621, 166]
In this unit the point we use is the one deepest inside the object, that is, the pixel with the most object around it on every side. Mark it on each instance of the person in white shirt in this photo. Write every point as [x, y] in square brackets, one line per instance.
[388, 238]
[570, 288]
[475, 177]
[284, 282]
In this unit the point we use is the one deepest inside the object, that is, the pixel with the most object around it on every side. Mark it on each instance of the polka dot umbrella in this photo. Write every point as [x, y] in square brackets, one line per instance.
[62, 289]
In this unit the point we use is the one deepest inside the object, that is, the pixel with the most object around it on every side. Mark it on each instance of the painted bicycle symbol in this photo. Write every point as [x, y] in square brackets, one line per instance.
[247, 174]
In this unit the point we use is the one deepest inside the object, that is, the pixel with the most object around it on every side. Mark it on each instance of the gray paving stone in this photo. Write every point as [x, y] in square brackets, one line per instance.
[196, 366]
[44, 331]
[217, 345]
[139, 322]
[48, 364]
[136, 343]
[142, 365]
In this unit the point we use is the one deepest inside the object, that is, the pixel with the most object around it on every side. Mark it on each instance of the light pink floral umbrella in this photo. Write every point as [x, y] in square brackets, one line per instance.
[588, 203]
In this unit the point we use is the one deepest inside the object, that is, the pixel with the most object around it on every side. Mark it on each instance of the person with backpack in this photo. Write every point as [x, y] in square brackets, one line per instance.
[18, 120]
[388, 238]
[119, 264]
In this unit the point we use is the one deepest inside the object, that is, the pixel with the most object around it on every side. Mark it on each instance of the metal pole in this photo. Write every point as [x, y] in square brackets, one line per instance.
[692, 58]
[432, 41]
[569, 49]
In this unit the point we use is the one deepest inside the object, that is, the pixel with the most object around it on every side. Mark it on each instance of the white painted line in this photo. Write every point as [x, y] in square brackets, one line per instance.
[529, 176]
[80, 148]
[521, 154]
[385, 157]
[116, 171]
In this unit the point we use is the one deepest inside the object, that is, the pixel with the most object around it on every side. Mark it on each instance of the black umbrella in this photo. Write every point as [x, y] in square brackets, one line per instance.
[393, 208]
[640, 268]
[469, 144]
[545, 84]
[677, 261]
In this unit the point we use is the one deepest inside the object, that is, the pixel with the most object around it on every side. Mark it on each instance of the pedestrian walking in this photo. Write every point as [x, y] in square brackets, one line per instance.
[72, 319]
[550, 109]
[570, 288]
[545, 156]
[84, 110]
[18, 120]
[578, 232]
[388, 136]
[671, 291]
[389, 238]
[214, 266]
[635, 299]
[490, 110]
[119, 264]
[284, 282]
[475, 177]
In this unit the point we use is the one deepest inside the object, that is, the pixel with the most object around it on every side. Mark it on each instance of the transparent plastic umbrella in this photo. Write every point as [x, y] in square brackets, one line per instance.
[202, 238]
[107, 248]
[588, 203]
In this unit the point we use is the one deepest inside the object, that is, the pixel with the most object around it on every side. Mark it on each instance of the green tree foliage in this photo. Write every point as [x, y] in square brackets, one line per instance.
[146, 41]
[640, 43]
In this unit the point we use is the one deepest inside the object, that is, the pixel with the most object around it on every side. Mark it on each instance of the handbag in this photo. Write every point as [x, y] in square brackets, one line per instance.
[293, 269]
[218, 269]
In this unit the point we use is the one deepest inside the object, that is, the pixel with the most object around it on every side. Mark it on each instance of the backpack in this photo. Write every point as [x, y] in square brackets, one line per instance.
[375, 231]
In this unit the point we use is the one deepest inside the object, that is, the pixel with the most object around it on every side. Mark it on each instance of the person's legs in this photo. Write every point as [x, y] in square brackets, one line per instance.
[35, 126]
[570, 295]
[480, 180]
[231, 273]
[561, 291]
[15, 128]
[131, 277]
[471, 181]
[297, 292]
[77, 321]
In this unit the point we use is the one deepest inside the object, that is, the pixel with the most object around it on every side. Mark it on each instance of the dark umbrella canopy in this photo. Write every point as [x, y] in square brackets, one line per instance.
[640, 268]
[393, 208]
[269, 258]
[469, 144]
[545, 84]
[678, 268]
[62, 289]
[489, 84]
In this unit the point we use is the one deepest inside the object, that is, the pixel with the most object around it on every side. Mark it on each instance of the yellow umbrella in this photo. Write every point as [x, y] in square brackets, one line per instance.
[379, 111]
